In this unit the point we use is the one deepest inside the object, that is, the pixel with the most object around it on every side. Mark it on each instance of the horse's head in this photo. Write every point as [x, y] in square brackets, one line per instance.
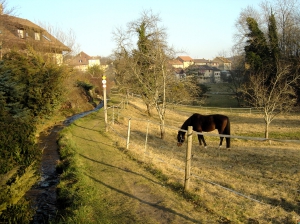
[180, 138]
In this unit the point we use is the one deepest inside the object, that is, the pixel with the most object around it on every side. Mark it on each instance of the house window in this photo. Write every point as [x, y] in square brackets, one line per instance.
[37, 36]
[47, 38]
[21, 33]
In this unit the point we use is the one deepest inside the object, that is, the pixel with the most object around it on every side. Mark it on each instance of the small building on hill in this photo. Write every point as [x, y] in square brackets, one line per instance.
[83, 61]
[186, 61]
[209, 74]
[224, 63]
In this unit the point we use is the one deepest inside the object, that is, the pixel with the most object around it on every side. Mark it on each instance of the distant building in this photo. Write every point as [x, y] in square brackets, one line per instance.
[209, 74]
[83, 61]
[176, 63]
[224, 63]
[206, 62]
[186, 61]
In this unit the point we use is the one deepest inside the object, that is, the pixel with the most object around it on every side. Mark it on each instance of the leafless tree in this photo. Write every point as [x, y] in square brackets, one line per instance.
[67, 38]
[144, 68]
[277, 98]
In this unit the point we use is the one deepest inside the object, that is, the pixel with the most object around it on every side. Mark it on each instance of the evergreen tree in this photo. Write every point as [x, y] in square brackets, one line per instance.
[257, 51]
[274, 47]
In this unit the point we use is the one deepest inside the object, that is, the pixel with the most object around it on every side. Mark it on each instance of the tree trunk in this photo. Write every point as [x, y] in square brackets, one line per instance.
[267, 130]
[162, 129]
[148, 109]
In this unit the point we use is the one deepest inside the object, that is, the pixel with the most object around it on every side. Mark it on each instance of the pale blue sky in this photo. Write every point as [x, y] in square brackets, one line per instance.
[202, 28]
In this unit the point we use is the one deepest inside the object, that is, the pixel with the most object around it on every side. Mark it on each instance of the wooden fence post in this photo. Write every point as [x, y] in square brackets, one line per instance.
[113, 115]
[146, 140]
[118, 111]
[128, 134]
[188, 158]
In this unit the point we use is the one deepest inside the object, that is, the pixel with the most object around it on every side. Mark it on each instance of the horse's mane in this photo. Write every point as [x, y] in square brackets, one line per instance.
[187, 122]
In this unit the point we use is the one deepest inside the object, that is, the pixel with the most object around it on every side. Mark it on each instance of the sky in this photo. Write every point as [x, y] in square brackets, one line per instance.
[197, 28]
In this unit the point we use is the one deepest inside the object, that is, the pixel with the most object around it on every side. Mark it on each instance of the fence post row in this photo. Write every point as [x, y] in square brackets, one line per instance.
[188, 158]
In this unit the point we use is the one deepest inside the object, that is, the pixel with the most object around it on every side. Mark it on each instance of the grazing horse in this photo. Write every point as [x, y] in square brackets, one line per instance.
[206, 123]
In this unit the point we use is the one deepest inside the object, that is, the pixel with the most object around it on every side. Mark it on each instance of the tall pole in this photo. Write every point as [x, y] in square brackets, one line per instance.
[105, 101]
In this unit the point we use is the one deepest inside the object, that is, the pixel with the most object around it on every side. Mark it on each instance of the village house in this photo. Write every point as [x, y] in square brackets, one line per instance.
[209, 74]
[186, 61]
[224, 63]
[206, 62]
[176, 63]
[83, 61]
[206, 71]
[21, 34]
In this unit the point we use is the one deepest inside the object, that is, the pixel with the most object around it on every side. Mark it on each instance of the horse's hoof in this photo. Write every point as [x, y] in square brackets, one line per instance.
[228, 149]
[220, 147]
[205, 147]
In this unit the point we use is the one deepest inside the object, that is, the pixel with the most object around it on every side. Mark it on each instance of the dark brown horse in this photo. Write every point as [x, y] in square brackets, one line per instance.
[206, 123]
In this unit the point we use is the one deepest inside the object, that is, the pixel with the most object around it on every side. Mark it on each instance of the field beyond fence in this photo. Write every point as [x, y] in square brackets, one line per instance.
[256, 180]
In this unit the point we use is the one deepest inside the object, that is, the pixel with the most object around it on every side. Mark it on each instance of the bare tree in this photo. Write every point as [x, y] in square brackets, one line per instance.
[144, 68]
[67, 38]
[276, 98]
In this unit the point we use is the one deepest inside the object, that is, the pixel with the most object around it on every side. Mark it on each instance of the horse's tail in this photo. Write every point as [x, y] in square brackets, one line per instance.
[227, 132]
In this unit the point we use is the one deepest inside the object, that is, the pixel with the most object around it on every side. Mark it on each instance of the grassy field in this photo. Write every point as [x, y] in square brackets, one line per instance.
[102, 183]
[220, 95]
[254, 182]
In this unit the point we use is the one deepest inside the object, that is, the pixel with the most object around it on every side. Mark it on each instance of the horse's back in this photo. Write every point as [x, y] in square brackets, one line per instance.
[209, 122]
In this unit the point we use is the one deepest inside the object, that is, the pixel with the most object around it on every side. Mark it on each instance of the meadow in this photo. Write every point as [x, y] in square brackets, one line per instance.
[254, 182]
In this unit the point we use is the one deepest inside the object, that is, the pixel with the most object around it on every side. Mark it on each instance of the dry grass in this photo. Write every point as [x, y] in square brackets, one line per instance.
[254, 182]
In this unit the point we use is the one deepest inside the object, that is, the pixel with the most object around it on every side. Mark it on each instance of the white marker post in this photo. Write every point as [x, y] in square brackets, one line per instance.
[105, 103]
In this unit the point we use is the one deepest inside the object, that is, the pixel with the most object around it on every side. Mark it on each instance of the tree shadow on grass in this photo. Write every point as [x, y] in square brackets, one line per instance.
[119, 168]
[155, 205]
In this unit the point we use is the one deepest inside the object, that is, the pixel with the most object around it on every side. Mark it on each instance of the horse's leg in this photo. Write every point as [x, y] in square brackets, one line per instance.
[201, 139]
[221, 141]
[228, 144]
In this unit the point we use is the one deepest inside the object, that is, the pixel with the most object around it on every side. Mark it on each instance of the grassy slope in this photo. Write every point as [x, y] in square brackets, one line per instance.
[112, 187]
[106, 186]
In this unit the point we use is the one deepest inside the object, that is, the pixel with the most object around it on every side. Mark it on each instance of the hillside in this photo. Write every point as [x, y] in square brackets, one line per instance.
[255, 181]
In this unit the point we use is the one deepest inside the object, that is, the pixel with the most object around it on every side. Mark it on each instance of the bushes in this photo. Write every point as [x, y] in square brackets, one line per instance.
[17, 145]
[30, 90]
[30, 84]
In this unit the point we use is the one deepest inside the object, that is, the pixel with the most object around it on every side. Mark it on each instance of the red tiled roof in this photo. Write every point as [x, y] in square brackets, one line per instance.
[175, 62]
[185, 58]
